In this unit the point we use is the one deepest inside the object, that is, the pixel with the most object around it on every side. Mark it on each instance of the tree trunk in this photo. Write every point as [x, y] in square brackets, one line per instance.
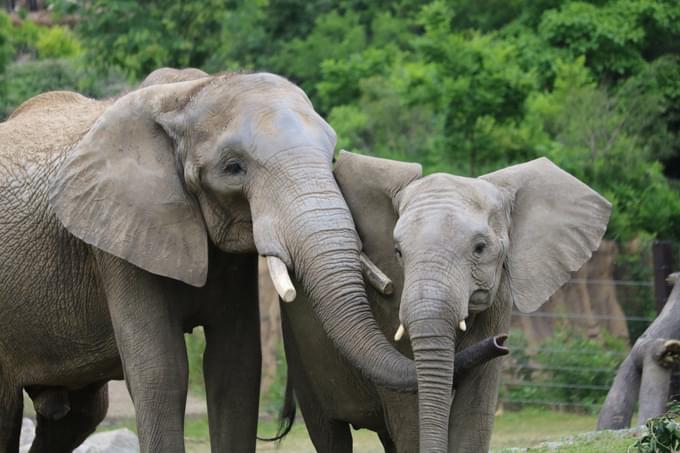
[646, 372]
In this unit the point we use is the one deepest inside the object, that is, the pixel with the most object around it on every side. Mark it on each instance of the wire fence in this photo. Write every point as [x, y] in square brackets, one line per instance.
[565, 355]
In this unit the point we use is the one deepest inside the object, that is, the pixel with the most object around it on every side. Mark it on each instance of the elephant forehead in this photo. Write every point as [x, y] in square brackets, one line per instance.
[442, 191]
[272, 131]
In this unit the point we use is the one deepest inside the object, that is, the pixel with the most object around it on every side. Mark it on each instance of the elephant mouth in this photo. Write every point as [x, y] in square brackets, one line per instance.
[480, 300]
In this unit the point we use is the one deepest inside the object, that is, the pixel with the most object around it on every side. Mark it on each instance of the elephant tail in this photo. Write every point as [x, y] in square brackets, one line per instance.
[287, 414]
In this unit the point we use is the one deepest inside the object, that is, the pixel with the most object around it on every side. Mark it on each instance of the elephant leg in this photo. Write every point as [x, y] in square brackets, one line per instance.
[328, 435]
[88, 409]
[387, 442]
[232, 364]
[145, 315]
[11, 411]
[401, 419]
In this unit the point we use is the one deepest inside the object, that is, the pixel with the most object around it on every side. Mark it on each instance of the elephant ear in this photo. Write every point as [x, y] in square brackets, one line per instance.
[370, 186]
[121, 189]
[556, 223]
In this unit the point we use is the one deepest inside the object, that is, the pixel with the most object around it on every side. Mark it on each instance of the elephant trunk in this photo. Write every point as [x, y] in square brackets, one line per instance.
[326, 252]
[431, 320]
[433, 347]
[317, 237]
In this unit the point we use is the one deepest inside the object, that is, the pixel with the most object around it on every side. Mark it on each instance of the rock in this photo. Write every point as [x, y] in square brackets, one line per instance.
[27, 435]
[118, 441]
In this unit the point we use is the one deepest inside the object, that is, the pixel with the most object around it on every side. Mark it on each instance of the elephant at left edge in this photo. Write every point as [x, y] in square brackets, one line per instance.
[126, 222]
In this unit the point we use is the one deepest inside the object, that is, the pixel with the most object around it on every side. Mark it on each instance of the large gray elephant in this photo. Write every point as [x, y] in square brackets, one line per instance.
[125, 223]
[460, 252]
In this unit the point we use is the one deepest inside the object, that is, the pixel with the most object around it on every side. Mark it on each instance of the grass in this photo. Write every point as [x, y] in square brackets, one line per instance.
[604, 442]
[525, 429]
[532, 426]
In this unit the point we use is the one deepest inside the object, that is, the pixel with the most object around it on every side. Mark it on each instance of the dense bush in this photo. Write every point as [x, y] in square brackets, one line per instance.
[26, 79]
[6, 47]
[569, 370]
[663, 433]
[57, 42]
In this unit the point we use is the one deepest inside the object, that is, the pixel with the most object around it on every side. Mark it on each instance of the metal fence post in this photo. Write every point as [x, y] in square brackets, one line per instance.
[662, 255]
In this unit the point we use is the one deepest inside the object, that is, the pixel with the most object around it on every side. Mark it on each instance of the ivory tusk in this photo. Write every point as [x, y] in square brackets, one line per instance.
[375, 276]
[462, 326]
[279, 275]
[399, 333]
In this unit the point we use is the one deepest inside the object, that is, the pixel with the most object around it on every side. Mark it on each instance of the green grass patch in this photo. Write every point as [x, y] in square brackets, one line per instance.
[532, 425]
[528, 428]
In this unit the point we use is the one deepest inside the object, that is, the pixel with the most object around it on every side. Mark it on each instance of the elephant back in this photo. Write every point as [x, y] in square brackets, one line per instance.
[47, 124]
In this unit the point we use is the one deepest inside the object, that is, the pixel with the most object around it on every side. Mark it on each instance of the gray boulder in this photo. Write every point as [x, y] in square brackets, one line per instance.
[118, 441]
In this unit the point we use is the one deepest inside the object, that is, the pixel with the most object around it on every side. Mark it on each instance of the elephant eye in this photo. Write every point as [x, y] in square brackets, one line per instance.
[479, 248]
[233, 168]
[397, 252]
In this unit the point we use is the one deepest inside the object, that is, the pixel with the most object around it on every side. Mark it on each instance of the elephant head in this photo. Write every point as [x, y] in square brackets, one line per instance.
[243, 161]
[466, 245]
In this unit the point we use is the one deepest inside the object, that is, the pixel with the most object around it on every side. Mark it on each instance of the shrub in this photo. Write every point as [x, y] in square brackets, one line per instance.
[663, 433]
[27, 79]
[25, 37]
[581, 368]
[569, 370]
[6, 48]
[57, 42]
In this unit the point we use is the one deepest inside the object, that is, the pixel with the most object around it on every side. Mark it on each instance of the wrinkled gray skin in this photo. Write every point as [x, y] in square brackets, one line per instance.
[128, 222]
[455, 248]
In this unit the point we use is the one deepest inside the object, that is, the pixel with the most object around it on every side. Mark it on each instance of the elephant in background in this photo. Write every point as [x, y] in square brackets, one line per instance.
[460, 252]
[127, 222]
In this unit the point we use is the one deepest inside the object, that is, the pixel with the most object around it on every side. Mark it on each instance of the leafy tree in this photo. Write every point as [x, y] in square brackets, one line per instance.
[6, 48]
[476, 83]
[598, 136]
[142, 36]
[57, 42]
[334, 36]
[617, 36]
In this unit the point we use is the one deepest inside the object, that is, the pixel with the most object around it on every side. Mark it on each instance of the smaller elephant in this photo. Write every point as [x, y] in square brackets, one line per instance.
[460, 253]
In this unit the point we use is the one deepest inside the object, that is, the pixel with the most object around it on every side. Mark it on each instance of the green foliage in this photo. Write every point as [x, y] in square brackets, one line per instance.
[568, 369]
[25, 80]
[195, 344]
[599, 136]
[57, 42]
[6, 47]
[32, 40]
[334, 36]
[244, 41]
[582, 360]
[142, 36]
[663, 433]
[272, 400]
[25, 38]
